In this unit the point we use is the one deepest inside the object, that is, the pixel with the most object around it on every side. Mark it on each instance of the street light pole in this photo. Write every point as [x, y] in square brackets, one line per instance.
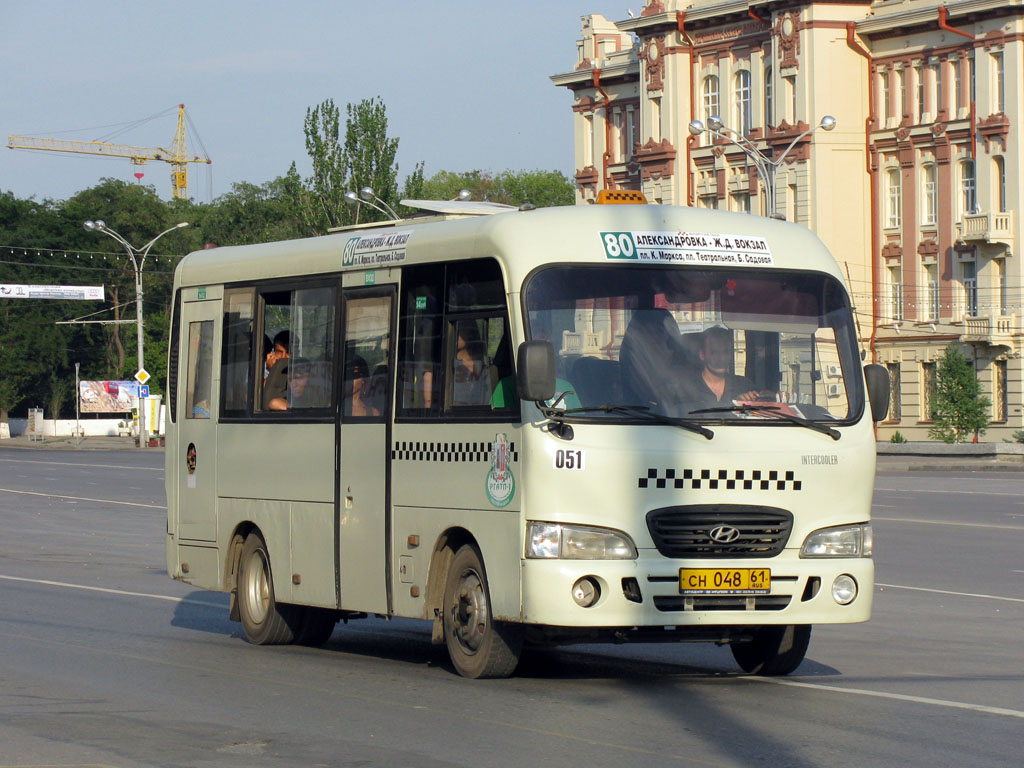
[138, 257]
[766, 167]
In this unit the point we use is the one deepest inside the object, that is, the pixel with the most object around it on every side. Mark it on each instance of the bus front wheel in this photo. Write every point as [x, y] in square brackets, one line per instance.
[477, 644]
[774, 650]
[264, 620]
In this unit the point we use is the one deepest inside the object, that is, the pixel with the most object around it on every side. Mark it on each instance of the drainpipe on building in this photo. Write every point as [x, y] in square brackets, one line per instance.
[681, 27]
[607, 126]
[876, 255]
[944, 24]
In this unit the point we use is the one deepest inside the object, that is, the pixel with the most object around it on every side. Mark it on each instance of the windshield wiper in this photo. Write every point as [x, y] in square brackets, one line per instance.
[642, 411]
[773, 409]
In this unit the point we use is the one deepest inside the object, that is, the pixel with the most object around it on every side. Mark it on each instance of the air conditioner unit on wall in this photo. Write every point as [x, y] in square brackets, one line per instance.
[835, 371]
[833, 390]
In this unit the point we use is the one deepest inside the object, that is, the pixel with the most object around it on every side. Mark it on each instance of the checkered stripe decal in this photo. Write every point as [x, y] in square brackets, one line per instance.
[446, 452]
[741, 479]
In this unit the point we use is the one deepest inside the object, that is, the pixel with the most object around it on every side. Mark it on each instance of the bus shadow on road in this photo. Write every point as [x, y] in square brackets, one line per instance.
[204, 611]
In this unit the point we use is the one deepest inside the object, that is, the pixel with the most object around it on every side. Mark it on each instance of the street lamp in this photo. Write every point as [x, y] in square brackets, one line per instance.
[138, 257]
[766, 167]
[368, 196]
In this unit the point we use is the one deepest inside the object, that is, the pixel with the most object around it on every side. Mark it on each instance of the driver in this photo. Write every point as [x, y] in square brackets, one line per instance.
[715, 384]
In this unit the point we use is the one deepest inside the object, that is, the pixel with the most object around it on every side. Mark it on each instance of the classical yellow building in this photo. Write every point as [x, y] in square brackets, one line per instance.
[916, 188]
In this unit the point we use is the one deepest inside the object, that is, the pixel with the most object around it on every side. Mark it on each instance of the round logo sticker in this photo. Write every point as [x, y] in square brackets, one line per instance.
[190, 458]
[501, 483]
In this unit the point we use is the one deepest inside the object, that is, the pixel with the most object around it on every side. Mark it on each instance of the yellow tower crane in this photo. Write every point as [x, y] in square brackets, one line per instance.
[177, 156]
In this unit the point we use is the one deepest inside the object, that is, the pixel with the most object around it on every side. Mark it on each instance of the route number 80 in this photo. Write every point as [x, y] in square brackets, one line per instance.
[618, 245]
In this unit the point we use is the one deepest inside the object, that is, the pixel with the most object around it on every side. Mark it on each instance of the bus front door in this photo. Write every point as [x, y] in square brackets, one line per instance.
[364, 457]
[197, 428]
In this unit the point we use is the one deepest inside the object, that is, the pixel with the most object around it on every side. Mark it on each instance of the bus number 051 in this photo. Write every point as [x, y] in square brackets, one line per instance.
[565, 459]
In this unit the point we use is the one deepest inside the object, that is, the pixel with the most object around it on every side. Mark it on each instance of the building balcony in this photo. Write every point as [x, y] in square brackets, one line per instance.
[987, 227]
[991, 329]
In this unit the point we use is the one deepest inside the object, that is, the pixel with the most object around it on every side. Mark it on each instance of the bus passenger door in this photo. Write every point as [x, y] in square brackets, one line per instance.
[367, 382]
[198, 389]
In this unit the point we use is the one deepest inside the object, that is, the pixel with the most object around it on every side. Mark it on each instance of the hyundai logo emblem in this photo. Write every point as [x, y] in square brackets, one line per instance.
[724, 534]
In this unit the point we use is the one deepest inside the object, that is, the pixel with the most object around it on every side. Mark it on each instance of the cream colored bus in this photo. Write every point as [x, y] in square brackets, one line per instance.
[598, 423]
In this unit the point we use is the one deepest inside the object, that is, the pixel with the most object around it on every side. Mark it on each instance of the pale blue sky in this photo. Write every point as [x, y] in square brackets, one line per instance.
[465, 83]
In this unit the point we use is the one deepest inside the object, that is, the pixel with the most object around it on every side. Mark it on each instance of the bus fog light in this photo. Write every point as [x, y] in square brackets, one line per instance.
[844, 589]
[586, 591]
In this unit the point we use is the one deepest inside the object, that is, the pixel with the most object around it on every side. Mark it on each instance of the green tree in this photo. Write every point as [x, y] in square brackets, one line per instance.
[540, 188]
[958, 408]
[363, 157]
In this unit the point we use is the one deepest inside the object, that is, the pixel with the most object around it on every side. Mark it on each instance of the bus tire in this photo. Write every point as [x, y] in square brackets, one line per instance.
[264, 620]
[774, 651]
[478, 645]
[317, 626]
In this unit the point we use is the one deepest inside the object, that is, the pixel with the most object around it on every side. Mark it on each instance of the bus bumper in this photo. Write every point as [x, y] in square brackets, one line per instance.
[646, 593]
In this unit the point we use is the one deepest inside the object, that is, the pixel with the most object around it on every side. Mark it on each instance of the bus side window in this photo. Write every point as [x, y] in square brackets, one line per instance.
[200, 370]
[297, 349]
[421, 328]
[236, 356]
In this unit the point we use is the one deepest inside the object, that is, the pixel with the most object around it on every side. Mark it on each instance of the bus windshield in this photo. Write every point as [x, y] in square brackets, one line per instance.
[707, 345]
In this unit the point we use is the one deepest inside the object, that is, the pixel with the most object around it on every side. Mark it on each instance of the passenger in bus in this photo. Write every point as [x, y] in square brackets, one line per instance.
[652, 359]
[357, 389]
[275, 385]
[714, 384]
[471, 376]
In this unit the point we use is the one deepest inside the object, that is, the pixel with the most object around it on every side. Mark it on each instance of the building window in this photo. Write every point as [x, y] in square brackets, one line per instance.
[919, 78]
[794, 203]
[998, 94]
[901, 94]
[896, 293]
[1000, 179]
[791, 89]
[743, 101]
[588, 141]
[894, 197]
[931, 274]
[968, 187]
[999, 277]
[886, 97]
[969, 281]
[927, 390]
[769, 106]
[710, 96]
[895, 392]
[1000, 399]
[708, 201]
[958, 87]
[632, 120]
[970, 76]
[937, 74]
[617, 137]
[740, 202]
[930, 198]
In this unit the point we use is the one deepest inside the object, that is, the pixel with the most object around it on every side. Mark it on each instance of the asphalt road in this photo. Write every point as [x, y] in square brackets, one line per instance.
[106, 662]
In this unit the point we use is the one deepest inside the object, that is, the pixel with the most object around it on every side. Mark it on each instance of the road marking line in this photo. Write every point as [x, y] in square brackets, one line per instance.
[82, 498]
[125, 593]
[948, 522]
[965, 493]
[954, 594]
[75, 464]
[896, 696]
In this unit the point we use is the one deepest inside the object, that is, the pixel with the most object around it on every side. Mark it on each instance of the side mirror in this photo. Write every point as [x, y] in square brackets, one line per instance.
[535, 370]
[878, 390]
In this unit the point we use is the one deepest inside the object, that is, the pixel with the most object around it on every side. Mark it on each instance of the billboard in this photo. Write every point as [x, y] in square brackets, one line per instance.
[107, 396]
[75, 292]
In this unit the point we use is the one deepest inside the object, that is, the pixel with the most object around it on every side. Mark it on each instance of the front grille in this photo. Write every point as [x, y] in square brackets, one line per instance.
[685, 532]
[758, 603]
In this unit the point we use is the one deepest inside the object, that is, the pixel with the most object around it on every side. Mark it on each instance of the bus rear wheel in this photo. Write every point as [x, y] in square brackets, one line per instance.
[264, 620]
[775, 650]
[477, 645]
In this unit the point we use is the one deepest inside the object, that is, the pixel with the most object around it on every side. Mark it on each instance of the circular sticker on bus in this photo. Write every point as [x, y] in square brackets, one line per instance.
[501, 483]
[190, 458]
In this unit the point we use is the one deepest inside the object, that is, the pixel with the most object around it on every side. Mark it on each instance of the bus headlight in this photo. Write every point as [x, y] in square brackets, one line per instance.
[842, 541]
[577, 542]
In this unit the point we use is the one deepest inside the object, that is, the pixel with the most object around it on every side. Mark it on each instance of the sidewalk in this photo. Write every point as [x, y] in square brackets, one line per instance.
[99, 443]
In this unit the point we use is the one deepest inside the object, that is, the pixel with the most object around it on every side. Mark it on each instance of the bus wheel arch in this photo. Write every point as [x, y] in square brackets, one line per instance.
[264, 620]
[440, 563]
[479, 645]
